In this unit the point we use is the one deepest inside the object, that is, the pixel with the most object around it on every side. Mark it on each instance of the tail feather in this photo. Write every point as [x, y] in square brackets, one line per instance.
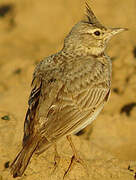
[21, 161]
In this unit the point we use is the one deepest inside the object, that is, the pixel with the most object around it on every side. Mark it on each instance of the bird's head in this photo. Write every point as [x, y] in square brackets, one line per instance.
[89, 36]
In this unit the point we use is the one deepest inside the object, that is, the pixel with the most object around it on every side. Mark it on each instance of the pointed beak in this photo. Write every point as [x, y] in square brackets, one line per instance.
[114, 31]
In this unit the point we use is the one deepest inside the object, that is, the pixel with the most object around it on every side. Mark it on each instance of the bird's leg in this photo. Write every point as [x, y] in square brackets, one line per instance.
[75, 157]
[56, 157]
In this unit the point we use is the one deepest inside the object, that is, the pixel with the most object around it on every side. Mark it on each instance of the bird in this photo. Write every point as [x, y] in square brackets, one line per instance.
[69, 90]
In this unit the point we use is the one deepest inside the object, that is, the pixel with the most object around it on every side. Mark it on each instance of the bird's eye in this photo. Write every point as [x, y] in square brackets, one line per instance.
[97, 33]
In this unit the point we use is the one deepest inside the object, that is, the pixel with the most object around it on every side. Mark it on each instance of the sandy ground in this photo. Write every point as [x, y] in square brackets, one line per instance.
[31, 30]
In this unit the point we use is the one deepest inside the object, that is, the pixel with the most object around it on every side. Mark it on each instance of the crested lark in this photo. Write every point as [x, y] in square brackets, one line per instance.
[69, 89]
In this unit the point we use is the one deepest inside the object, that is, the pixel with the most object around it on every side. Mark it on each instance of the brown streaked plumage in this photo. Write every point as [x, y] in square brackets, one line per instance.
[69, 89]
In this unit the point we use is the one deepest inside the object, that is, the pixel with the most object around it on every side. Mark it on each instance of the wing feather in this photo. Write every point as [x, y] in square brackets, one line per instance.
[31, 112]
[68, 117]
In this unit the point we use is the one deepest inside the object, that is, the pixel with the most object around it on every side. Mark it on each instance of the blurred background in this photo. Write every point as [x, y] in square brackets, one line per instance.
[31, 30]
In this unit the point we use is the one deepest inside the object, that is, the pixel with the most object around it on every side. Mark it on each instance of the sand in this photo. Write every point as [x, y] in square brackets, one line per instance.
[31, 30]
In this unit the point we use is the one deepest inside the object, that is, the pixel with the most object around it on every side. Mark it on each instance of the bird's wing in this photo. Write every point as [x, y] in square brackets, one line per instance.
[71, 113]
[43, 93]
[75, 103]
[31, 112]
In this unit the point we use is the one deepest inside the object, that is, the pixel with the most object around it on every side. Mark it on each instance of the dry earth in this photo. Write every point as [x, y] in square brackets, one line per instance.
[31, 30]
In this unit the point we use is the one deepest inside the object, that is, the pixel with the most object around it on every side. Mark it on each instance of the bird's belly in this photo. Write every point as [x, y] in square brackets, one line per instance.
[89, 120]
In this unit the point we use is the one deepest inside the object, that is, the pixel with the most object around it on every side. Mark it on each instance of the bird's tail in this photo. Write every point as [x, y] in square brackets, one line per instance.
[21, 161]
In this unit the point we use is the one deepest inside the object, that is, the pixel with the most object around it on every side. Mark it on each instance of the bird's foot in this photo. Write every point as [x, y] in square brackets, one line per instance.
[56, 159]
[75, 159]
[56, 162]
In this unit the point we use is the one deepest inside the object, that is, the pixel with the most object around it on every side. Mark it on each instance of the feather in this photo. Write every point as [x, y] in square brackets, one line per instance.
[92, 18]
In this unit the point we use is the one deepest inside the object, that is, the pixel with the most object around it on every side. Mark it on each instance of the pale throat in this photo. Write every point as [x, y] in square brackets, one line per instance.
[96, 51]
[79, 50]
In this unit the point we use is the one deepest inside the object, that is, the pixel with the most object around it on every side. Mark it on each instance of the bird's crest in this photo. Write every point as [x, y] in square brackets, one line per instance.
[92, 18]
